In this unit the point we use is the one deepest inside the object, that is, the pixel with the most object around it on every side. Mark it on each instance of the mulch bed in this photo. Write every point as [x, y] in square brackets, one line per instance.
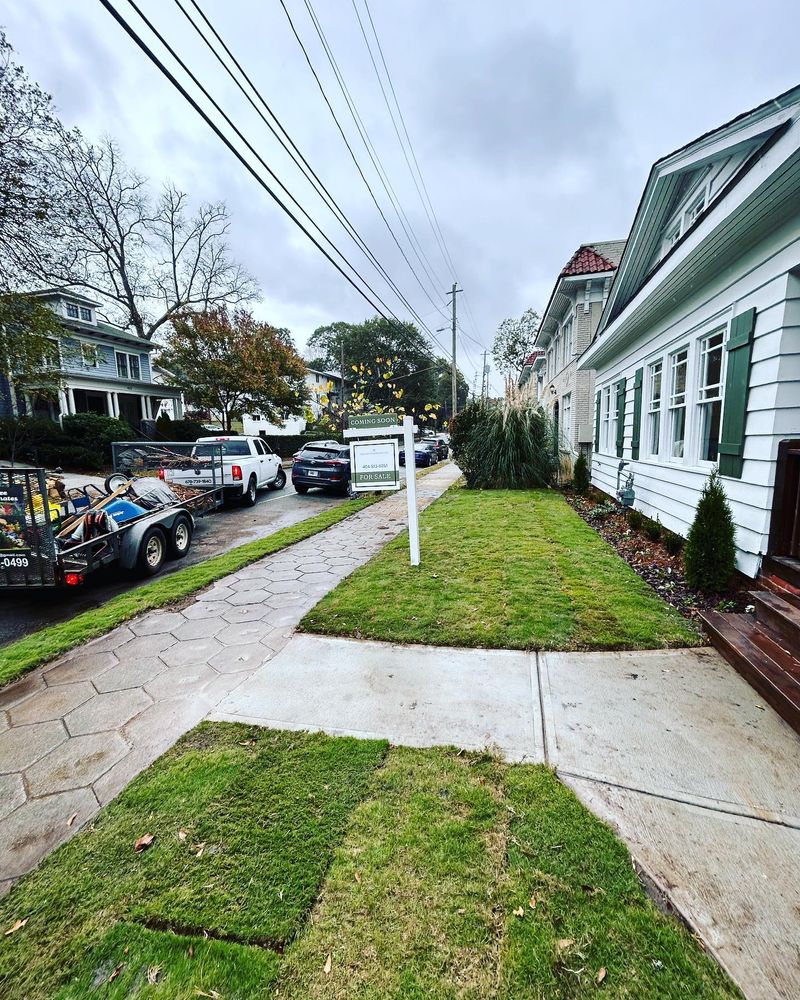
[664, 572]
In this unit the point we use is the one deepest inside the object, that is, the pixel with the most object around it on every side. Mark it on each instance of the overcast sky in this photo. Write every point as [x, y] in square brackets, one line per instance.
[534, 124]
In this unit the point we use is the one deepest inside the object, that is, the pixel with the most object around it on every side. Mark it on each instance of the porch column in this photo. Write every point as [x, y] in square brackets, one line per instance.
[179, 408]
[115, 401]
[110, 403]
[70, 400]
[62, 405]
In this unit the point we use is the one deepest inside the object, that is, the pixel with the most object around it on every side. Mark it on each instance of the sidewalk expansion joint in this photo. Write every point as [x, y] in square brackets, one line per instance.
[710, 805]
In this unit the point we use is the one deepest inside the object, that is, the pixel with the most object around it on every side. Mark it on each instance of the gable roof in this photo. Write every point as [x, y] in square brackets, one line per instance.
[741, 142]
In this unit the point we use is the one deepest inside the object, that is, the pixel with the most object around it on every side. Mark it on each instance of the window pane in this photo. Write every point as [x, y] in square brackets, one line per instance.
[133, 363]
[709, 443]
[86, 314]
[122, 365]
[72, 310]
[655, 432]
[678, 431]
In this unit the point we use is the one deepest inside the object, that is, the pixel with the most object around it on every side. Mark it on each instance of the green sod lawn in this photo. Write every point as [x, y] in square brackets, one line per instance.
[290, 865]
[501, 568]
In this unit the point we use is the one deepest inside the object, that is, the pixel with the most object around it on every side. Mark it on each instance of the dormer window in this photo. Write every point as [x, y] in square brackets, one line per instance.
[86, 314]
[72, 310]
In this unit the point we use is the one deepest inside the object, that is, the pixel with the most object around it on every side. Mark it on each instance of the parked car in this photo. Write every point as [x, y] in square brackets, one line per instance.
[323, 464]
[425, 454]
[248, 464]
[315, 444]
[442, 448]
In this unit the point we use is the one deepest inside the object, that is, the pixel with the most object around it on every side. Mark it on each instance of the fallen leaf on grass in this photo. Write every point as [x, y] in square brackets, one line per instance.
[181, 835]
[16, 926]
[143, 842]
[328, 964]
[601, 974]
[72, 819]
[519, 912]
[190, 952]
[563, 943]
[153, 974]
[126, 949]
[358, 876]
[201, 848]
[116, 972]
[532, 903]
[213, 995]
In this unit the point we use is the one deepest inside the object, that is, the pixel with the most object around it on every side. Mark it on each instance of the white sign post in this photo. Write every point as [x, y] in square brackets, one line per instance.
[411, 489]
[374, 464]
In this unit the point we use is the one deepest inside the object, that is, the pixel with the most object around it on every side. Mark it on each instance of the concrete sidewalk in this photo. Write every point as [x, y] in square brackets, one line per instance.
[697, 775]
[75, 732]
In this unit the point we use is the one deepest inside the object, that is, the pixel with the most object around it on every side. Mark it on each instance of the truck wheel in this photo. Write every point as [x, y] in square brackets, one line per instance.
[280, 481]
[251, 493]
[180, 537]
[152, 552]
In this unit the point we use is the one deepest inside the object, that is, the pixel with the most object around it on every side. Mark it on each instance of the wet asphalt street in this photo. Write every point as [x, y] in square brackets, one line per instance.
[21, 613]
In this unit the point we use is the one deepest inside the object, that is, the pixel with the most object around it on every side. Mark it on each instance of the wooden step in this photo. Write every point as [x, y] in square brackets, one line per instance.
[784, 568]
[773, 671]
[778, 616]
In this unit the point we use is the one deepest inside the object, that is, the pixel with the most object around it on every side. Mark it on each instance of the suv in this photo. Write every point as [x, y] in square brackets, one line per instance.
[325, 464]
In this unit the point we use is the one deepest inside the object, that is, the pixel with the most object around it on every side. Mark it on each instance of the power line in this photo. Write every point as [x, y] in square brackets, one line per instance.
[299, 159]
[248, 166]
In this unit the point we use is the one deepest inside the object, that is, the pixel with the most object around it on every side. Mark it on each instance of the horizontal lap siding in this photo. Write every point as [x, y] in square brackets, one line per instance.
[671, 490]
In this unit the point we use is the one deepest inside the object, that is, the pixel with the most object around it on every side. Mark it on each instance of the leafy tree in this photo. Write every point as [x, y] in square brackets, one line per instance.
[513, 342]
[581, 480]
[710, 556]
[233, 364]
[28, 129]
[29, 338]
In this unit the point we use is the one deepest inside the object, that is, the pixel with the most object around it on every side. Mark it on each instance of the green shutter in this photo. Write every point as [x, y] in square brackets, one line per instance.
[597, 422]
[737, 382]
[638, 379]
[620, 417]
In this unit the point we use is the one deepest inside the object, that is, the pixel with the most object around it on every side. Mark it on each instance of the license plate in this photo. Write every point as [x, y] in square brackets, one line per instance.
[199, 482]
[311, 472]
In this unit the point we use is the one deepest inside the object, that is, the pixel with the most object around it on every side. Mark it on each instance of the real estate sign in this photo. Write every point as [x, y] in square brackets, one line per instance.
[375, 465]
[365, 421]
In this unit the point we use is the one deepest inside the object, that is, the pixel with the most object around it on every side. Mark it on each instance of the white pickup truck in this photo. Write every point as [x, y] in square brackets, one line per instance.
[248, 464]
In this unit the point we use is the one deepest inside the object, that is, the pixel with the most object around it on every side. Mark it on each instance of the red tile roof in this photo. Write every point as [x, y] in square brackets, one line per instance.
[532, 357]
[588, 260]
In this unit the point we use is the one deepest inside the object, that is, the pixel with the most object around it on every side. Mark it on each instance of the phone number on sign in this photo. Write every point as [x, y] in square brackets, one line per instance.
[14, 562]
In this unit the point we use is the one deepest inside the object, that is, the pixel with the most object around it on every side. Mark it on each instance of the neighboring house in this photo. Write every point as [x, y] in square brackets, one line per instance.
[566, 330]
[319, 384]
[105, 369]
[697, 356]
[531, 376]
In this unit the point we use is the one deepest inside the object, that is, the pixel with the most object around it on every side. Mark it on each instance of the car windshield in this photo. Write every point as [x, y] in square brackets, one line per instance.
[321, 453]
[235, 449]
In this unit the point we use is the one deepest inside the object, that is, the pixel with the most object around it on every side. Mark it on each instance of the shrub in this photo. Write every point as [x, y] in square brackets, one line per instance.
[602, 512]
[711, 545]
[21, 438]
[95, 434]
[635, 519]
[653, 529]
[672, 542]
[70, 456]
[507, 446]
[581, 479]
[168, 429]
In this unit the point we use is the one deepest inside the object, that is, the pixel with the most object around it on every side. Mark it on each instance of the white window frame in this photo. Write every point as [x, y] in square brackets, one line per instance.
[655, 408]
[678, 401]
[70, 306]
[128, 374]
[88, 317]
[566, 419]
[709, 393]
[613, 418]
[605, 413]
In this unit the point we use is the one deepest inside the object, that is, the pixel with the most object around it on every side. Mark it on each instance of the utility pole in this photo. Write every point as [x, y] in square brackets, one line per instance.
[454, 370]
[484, 380]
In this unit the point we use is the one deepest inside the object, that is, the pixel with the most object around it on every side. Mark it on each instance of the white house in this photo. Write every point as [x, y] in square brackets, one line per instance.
[566, 330]
[697, 355]
[319, 384]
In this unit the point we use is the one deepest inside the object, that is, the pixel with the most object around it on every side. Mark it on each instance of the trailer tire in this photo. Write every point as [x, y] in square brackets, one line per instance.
[152, 552]
[180, 537]
[250, 495]
[114, 481]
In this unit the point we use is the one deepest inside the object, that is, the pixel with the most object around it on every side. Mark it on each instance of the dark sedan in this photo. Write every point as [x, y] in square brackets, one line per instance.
[425, 454]
[323, 464]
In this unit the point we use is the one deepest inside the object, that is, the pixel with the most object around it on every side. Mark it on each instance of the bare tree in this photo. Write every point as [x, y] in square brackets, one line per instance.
[147, 259]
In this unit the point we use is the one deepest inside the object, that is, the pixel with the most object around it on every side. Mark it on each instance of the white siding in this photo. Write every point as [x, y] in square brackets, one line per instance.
[671, 489]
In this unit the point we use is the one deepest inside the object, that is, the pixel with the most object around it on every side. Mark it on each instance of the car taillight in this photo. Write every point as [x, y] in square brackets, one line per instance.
[335, 461]
[73, 579]
[161, 474]
[236, 472]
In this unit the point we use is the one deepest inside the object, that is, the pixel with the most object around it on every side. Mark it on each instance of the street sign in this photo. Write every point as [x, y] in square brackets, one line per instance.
[363, 421]
[375, 465]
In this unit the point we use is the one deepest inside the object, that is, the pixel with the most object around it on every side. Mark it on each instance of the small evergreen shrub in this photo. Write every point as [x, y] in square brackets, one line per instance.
[653, 529]
[635, 519]
[672, 542]
[581, 480]
[711, 545]
[602, 512]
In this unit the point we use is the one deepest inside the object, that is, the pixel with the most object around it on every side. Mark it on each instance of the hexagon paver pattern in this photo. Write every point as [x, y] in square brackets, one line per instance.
[73, 734]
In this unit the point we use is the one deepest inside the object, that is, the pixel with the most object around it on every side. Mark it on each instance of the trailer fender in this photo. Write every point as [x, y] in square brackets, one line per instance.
[132, 537]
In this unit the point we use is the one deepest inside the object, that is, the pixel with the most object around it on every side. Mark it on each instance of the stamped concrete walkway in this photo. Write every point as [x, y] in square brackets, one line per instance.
[698, 776]
[75, 732]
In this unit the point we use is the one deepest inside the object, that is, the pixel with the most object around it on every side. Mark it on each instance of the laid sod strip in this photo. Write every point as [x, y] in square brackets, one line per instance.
[244, 823]
[502, 569]
[463, 878]
[23, 655]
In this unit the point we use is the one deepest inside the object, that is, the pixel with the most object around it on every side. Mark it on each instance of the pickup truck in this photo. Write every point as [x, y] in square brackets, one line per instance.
[248, 464]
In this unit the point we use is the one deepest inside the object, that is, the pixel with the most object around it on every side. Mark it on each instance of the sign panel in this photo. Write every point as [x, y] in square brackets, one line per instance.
[15, 551]
[368, 420]
[374, 465]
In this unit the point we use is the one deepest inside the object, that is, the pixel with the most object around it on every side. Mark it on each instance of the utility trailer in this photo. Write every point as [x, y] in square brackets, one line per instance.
[51, 537]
